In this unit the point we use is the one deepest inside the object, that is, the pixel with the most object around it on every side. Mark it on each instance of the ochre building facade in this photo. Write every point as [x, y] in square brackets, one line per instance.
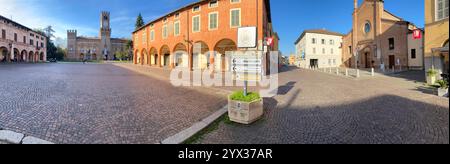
[200, 29]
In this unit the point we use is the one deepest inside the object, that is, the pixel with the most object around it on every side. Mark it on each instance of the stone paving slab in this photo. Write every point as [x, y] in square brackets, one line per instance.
[316, 108]
[73, 103]
[11, 137]
[34, 141]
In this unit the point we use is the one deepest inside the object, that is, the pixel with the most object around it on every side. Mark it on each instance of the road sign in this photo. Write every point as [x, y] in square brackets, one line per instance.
[247, 37]
[246, 67]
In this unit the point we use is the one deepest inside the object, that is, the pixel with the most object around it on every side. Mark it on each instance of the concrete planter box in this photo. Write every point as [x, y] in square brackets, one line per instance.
[431, 80]
[245, 112]
[442, 92]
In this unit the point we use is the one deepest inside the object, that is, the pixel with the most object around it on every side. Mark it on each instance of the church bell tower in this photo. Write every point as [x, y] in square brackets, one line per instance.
[105, 36]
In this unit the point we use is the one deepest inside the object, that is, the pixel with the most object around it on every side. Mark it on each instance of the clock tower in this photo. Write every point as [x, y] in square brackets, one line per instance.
[105, 36]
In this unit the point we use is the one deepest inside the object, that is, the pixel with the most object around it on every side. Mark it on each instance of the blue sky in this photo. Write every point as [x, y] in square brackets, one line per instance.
[290, 17]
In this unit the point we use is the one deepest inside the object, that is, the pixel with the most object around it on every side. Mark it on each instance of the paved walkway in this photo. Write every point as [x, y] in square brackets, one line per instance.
[318, 108]
[97, 103]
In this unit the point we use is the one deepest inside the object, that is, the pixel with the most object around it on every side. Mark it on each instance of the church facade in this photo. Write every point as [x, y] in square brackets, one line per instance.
[102, 47]
[379, 39]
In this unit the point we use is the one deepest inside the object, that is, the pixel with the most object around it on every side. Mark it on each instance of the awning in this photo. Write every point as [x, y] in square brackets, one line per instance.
[440, 49]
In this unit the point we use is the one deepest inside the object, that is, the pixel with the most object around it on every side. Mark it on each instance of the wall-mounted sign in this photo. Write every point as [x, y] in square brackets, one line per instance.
[417, 34]
[247, 37]
[269, 41]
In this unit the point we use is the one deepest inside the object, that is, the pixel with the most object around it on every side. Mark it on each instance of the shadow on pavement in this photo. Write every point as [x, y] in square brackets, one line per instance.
[385, 119]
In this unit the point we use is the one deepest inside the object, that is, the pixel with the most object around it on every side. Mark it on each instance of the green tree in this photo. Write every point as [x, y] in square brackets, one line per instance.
[60, 53]
[139, 21]
[121, 55]
[129, 49]
[51, 48]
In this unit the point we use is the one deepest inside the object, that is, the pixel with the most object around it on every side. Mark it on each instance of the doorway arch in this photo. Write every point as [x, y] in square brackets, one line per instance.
[222, 47]
[165, 56]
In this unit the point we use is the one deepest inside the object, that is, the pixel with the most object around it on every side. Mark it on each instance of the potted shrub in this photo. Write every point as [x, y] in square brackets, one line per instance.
[443, 89]
[431, 76]
[245, 109]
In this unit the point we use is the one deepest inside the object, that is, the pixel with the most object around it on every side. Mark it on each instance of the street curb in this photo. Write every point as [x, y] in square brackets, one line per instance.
[11, 137]
[184, 135]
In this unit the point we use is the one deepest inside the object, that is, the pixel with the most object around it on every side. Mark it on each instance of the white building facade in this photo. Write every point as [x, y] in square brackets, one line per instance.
[319, 49]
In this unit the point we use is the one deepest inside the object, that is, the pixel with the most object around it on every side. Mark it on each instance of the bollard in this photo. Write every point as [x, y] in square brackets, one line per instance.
[357, 73]
[373, 72]
[331, 70]
[346, 72]
[393, 69]
[337, 71]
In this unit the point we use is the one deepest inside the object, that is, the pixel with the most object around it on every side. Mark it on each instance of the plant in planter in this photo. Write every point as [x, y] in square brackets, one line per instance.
[431, 76]
[443, 89]
[245, 109]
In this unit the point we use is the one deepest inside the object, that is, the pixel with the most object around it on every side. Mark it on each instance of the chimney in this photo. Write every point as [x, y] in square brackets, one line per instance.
[355, 4]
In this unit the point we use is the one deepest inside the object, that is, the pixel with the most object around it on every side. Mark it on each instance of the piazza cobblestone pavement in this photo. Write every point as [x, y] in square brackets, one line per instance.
[97, 103]
[104, 103]
[319, 108]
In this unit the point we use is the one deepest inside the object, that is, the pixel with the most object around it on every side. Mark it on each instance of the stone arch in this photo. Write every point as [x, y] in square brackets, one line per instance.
[144, 57]
[153, 53]
[201, 55]
[445, 44]
[16, 55]
[23, 56]
[164, 55]
[4, 54]
[82, 56]
[41, 56]
[136, 57]
[181, 58]
[31, 56]
[36, 56]
[225, 45]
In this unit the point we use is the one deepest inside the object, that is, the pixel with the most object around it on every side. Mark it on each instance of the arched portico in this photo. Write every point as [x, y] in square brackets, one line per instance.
[223, 46]
[144, 57]
[136, 57]
[36, 56]
[201, 55]
[165, 56]
[23, 56]
[31, 56]
[153, 56]
[181, 58]
[4, 54]
[16, 55]
[41, 57]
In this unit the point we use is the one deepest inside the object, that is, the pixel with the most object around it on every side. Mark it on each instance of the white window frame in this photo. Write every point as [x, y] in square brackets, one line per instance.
[165, 31]
[231, 17]
[238, 1]
[199, 23]
[209, 21]
[199, 9]
[436, 11]
[217, 4]
[175, 29]
[152, 35]
[144, 37]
